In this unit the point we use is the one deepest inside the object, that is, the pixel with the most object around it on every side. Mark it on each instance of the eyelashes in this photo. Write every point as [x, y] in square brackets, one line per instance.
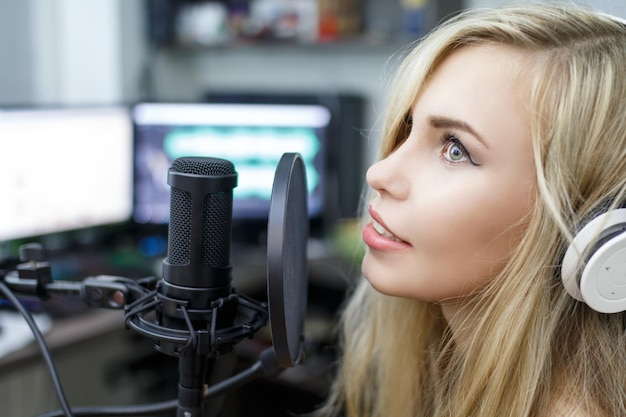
[454, 151]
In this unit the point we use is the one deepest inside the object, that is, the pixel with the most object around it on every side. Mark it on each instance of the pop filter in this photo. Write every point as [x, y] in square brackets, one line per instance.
[287, 269]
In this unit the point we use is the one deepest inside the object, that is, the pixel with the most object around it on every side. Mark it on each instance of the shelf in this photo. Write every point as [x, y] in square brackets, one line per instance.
[355, 45]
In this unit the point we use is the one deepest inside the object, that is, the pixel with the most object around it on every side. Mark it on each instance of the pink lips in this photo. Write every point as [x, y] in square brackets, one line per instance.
[376, 241]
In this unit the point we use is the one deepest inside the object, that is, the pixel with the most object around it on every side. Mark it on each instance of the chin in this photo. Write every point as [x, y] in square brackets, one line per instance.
[394, 288]
[379, 281]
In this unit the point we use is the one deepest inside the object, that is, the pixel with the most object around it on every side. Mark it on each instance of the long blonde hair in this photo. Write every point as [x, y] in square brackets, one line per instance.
[534, 350]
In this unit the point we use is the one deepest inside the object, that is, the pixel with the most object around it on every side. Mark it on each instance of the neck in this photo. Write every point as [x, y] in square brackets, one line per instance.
[460, 315]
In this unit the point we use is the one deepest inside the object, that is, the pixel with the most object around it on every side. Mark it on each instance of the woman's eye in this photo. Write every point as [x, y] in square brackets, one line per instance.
[453, 151]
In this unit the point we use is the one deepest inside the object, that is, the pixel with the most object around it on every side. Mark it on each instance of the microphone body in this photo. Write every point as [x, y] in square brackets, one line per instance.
[197, 270]
[201, 211]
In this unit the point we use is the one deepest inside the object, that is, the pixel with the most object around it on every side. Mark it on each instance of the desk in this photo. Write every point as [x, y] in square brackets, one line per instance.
[84, 349]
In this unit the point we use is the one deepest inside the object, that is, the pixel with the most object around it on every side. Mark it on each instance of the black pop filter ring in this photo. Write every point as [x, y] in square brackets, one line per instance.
[287, 268]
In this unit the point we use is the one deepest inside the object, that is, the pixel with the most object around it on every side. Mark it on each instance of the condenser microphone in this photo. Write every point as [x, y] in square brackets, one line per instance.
[197, 270]
[198, 315]
[201, 210]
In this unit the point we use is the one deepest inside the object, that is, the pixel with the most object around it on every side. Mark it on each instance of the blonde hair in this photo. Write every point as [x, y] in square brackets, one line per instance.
[533, 350]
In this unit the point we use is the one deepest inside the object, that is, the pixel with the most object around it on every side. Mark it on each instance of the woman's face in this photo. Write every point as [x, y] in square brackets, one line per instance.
[451, 201]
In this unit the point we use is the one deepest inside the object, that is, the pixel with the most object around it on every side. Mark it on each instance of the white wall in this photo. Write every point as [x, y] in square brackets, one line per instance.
[15, 57]
[60, 52]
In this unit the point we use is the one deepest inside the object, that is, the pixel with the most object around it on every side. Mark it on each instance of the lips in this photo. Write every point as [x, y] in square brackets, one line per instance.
[377, 236]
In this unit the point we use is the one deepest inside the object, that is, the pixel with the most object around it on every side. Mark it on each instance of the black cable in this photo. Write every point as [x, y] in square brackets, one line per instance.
[156, 409]
[235, 381]
[159, 409]
[42, 345]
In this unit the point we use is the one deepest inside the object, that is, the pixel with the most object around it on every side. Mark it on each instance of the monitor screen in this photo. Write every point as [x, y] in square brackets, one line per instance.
[64, 169]
[251, 136]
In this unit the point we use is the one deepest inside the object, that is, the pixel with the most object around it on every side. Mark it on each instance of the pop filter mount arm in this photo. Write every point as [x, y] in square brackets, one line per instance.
[31, 276]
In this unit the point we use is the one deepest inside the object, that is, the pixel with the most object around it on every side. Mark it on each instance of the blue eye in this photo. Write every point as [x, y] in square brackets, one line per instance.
[453, 150]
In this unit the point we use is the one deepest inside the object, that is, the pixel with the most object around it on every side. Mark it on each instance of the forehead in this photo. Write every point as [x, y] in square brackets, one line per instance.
[476, 82]
[485, 87]
[481, 65]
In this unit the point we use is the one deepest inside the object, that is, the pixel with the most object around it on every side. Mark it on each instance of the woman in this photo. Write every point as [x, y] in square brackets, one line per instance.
[505, 132]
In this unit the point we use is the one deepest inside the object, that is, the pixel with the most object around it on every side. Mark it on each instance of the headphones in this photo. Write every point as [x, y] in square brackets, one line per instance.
[594, 265]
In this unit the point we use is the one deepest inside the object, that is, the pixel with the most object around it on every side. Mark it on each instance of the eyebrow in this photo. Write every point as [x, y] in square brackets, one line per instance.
[443, 122]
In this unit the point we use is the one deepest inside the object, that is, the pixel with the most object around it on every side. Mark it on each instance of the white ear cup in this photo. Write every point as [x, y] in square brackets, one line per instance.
[602, 283]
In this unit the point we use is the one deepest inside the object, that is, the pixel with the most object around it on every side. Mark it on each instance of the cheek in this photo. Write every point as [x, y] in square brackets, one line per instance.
[493, 241]
[465, 246]
[494, 228]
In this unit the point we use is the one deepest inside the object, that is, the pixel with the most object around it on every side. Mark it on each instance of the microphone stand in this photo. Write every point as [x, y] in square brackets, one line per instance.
[197, 339]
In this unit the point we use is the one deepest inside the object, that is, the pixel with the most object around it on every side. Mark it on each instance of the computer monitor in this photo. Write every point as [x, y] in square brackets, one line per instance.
[251, 136]
[346, 141]
[64, 169]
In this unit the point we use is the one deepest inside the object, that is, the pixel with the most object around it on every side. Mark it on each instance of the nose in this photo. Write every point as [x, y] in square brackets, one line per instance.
[388, 177]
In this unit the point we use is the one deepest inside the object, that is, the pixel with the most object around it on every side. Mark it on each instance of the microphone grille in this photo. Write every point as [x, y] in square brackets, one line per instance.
[203, 166]
[216, 233]
[216, 215]
[179, 249]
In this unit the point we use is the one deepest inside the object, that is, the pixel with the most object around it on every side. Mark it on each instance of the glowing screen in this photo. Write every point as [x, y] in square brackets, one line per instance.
[251, 136]
[64, 169]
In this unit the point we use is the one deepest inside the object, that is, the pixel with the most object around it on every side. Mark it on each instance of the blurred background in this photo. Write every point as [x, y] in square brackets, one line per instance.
[98, 97]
